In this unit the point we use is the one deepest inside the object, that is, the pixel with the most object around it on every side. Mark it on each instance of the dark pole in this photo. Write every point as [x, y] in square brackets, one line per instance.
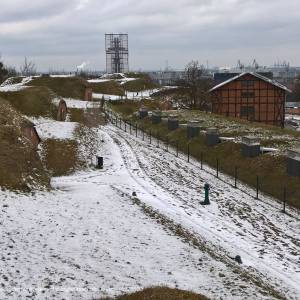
[217, 168]
[201, 160]
[177, 148]
[130, 126]
[188, 152]
[257, 186]
[167, 141]
[150, 136]
[284, 199]
[235, 177]
[136, 129]
[125, 126]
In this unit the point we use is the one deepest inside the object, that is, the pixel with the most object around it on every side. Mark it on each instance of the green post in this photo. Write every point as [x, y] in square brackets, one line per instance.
[206, 189]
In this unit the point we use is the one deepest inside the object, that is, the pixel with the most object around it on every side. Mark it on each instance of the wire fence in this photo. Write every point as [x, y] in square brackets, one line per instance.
[232, 176]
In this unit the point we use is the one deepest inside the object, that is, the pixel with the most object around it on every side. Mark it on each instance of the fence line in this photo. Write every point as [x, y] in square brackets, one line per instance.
[116, 120]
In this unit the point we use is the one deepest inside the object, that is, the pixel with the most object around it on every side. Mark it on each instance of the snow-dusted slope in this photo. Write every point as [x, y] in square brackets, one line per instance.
[7, 86]
[267, 240]
[90, 238]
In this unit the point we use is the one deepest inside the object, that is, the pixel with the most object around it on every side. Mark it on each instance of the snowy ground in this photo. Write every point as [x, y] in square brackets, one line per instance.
[51, 129]
[7, 86]
[132, 95]
[267, 240]
[90, 238]
[295, 119]
[77, 103]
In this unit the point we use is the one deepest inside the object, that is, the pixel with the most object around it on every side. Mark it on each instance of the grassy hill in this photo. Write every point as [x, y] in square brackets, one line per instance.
[113, 87]
[110, 87]
[143, 83]
[32, 101]
[20, 165]
[68, 87]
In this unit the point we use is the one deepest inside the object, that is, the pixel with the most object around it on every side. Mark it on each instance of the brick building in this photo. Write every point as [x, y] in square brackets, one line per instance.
[251, 96]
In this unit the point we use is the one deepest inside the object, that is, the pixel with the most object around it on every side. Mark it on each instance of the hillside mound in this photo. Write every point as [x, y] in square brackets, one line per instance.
[162, 293]
[110, 87]
[140, 84]
[67, 87]
[32, 101]
[20, 165]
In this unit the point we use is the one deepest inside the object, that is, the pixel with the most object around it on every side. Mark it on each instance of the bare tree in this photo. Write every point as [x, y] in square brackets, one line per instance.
[295, 95]
[198, 83]
[28, 68]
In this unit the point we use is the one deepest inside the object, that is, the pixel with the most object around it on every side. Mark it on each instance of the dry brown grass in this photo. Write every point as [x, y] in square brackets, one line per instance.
[20, 165]
[60, 156]
[33, 101]
[91, 117]
[140, 84]
[108, 87]
[161, 293]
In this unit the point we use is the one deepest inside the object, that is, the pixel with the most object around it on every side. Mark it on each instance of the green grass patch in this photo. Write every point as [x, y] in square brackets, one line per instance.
[67, 87]
[76, 115]
[91, 117]
[32, 101]
[140, 84]
[110, 87]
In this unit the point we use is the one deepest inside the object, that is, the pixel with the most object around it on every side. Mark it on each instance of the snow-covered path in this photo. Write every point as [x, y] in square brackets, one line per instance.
[88, 238]
[267, 240]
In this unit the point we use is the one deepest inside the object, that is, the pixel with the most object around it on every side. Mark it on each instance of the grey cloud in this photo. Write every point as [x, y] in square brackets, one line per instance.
[220, 31]
[21, 10]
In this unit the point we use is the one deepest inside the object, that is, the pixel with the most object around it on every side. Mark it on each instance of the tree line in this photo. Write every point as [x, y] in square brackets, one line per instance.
[28, 68]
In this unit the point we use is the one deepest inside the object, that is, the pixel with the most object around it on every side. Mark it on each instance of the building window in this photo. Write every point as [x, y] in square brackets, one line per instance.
[247, 94]
[247, 84]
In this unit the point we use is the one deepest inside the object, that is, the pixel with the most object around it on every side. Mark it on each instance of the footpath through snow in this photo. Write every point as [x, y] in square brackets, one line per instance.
[91, 238]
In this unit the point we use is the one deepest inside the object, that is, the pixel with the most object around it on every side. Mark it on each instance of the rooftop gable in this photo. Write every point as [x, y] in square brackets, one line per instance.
[259, 76]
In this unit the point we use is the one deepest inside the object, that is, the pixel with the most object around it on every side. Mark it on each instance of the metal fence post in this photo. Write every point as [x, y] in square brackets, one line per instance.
[188, 152]
[167, 141]
[217, 168]
[130, 127]
[136, 130]
[284, 199]
[235, 177]
[201, 157]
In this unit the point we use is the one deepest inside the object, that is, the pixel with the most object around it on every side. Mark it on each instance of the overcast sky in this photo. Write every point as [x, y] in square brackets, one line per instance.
[62, 34]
